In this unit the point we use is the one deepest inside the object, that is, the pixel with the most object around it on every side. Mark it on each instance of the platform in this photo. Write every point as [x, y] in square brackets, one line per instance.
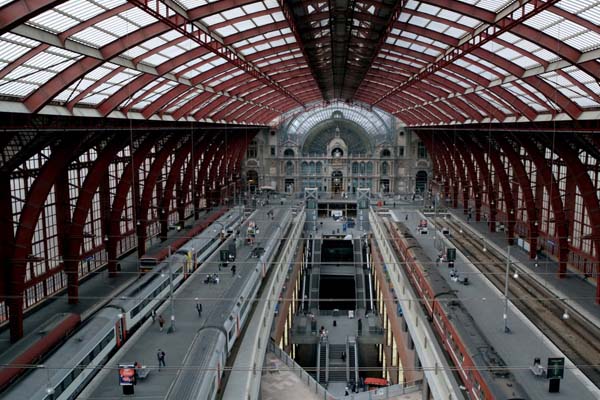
[94, 291]
[581, 293]
[143, 346]
[519, 347]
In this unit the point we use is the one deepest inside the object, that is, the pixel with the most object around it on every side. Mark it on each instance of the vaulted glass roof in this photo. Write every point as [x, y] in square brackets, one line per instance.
[378, 124]
[425, 62]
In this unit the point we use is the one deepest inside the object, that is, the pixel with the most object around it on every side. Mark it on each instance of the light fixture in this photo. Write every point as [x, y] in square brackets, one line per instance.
[516, 274]
[566, 315]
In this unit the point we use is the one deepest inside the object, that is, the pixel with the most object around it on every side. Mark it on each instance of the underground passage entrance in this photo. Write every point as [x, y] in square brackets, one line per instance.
[337, 292]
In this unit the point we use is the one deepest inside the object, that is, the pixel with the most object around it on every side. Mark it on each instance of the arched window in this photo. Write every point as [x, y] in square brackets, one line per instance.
[355, 168]
[369, 168]
[311, 168]
[288, 153]
[319, 167]
[385, 153]
[384, 168]
[289, 168]
[304, 168]
[362, 167]
[252, 151]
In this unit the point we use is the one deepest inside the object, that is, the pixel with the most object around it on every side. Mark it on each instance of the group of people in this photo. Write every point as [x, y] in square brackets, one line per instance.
[212, 278]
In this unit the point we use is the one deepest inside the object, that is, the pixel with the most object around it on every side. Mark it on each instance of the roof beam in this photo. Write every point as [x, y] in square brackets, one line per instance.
[394, 15]
[18, 12]
[207, 39]
[289, 17]
[504, 23]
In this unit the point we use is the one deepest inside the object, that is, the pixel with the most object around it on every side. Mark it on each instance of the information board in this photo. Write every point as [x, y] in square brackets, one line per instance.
[556, 368]
[126, 374]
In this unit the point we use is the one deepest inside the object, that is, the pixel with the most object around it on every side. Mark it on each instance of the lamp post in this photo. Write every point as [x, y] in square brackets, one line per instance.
[172, 326]
[515, 275]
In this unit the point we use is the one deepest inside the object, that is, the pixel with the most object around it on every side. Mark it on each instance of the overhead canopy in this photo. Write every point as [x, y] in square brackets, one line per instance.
[426, 62]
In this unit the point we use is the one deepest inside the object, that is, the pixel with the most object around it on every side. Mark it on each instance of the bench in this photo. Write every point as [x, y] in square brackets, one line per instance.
[143, 372]
[538, 370]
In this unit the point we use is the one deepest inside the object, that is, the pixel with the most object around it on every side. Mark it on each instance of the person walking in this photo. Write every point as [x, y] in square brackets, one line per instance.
[160, 355]
[199, 309]
[359, 327]
[153, 315]
[343, 356]
[161, 322]
[233, 270]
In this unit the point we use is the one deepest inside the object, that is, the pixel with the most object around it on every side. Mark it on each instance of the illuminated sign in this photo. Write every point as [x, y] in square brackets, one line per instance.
[126, 374]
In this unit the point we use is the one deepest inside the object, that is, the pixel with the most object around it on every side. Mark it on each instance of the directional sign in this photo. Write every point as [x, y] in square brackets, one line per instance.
[556, 368]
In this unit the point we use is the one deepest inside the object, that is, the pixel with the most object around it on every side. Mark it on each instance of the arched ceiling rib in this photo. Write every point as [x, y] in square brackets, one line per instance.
[426, 62]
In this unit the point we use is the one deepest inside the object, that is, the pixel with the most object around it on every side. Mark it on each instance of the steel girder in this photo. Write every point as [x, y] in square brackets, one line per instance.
[93, 180]
[190, 105]
[164, 100]
[173, 180]
[497, 28]
[547, 177]
[188, 183]
[59, 160]
[458, 166]
[149, 184]
[202, 178]
[579, 174]
[464, 153]
[7, 236]
[18, 12]
[128, 181]
[473, 148]
[205, 38]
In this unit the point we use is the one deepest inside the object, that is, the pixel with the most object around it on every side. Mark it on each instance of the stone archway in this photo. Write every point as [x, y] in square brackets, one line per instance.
[252, 180]
[421, 182]
[337, 182]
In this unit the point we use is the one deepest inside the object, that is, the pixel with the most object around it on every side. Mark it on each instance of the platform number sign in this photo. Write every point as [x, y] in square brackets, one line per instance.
[224, 255]
[451, 254]
[556, 368]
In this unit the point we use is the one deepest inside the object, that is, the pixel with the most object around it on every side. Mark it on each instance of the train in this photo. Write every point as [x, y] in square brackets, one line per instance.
[71, 367]
[154, 257]
[47, 335]
[202, 374]
[482, 371]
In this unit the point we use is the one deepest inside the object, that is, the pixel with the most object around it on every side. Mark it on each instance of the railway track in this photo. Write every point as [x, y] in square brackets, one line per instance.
[576, 337]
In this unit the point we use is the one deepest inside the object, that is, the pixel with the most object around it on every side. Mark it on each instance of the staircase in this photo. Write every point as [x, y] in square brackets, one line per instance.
[337, 368]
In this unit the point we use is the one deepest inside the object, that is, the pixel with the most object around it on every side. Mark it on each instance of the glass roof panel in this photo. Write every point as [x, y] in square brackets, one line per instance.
[83, 10]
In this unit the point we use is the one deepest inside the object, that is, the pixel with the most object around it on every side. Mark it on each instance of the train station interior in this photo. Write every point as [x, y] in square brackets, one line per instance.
[285, 199]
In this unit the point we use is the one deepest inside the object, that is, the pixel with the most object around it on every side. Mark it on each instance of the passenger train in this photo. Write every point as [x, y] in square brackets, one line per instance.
[203, 369]
[482, 371]
[154, 257]
[66, 372]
